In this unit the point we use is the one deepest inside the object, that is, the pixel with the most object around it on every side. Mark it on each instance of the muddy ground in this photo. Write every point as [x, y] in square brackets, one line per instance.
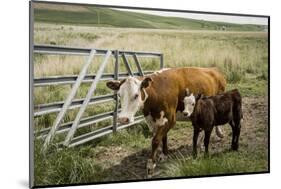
[124, 164]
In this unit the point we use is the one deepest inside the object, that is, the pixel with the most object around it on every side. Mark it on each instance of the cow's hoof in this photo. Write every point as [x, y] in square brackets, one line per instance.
[150, 168]
[149, 176]
[194, 155]
[234, 147]
[206, 155]
[162, 157]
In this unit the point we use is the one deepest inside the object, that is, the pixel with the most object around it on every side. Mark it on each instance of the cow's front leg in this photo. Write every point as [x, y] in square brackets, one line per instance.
[165, 145]
[156, 141]
[162, 154]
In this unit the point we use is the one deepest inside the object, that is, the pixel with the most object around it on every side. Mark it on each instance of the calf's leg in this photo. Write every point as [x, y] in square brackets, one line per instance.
[235, 144]
[207, 139]
[196, 132]
[231, 123]
[235, 134]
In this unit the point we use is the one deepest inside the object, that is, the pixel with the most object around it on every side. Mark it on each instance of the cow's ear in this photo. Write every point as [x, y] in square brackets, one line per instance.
[145, 83]
[114, 85]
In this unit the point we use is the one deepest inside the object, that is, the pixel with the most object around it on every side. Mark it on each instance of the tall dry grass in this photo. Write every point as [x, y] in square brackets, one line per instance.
[230, 51]
[239, 55]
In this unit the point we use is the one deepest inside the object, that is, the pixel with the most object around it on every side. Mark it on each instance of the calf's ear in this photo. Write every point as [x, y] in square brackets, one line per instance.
[145, 83]
[114, 85]
[198, 96]
[187, 92]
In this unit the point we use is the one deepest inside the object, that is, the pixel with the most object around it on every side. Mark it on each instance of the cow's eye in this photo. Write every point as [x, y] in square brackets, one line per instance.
[136, 96]
[192, 104]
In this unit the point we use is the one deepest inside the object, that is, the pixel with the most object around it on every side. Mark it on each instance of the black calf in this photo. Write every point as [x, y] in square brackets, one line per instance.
[217, 110]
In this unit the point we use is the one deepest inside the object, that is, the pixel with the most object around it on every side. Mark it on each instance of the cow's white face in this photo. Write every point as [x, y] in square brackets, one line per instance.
[189, 103]
[129, 91]
[130, 97]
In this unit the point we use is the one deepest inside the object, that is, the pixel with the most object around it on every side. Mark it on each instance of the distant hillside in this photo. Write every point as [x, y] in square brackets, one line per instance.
[96, 16]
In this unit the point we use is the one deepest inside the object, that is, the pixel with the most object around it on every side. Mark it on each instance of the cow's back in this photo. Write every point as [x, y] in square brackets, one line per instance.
[168, 87]
[206, 81]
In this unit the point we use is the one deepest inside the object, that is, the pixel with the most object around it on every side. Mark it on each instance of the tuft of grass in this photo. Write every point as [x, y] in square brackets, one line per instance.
[135, 138]
[222, 163]
[250, 88]
[79, 165]
[65, 166]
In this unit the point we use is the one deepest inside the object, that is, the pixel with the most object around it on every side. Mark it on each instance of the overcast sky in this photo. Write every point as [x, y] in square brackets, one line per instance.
[208, 17]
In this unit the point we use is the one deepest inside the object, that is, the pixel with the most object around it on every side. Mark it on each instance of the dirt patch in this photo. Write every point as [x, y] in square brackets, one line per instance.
[124, 164]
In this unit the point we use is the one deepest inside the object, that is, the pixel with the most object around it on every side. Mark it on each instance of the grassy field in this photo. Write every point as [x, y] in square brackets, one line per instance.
[241, 56]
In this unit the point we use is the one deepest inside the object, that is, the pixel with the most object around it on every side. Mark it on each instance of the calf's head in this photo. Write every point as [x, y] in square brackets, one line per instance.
[132, 96]
[189, 102]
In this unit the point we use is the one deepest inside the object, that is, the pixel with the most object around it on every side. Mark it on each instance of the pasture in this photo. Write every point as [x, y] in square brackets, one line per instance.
[241, 56]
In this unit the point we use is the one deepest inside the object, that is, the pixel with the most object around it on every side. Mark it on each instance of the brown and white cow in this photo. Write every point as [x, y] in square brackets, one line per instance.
[160, 96]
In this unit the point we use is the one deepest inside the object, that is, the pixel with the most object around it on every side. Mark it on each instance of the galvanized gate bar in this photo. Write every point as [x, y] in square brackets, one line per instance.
[116, 70]
[140, 53]
[161, 61]
[127, 65]
[57, 80]
[87, 99]
[138, 64]
[100, 132]
[62, 50]
[42, 109]
[90, 136]
[69, 99]
[138, 119]
[52, 49]
[83, 122]
[70, 79]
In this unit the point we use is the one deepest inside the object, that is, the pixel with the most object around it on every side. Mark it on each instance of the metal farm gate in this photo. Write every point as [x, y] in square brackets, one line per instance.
[75, 80]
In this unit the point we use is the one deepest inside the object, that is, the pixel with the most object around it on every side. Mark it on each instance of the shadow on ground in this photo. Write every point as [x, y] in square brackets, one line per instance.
[133, 167]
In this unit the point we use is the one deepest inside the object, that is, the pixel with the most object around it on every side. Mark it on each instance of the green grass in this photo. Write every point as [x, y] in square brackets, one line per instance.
[65, 166]
[95, 16]
[79, 165]
[222, 163]
[249, 88]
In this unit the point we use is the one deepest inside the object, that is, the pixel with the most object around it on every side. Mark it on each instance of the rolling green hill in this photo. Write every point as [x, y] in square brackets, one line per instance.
[97, 16]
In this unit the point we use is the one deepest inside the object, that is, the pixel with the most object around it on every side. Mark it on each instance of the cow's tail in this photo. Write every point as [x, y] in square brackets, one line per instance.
[221, 81]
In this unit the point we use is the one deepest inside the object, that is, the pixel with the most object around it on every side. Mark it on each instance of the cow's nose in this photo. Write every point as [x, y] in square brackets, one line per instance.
[185, 113]
[123, 120]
